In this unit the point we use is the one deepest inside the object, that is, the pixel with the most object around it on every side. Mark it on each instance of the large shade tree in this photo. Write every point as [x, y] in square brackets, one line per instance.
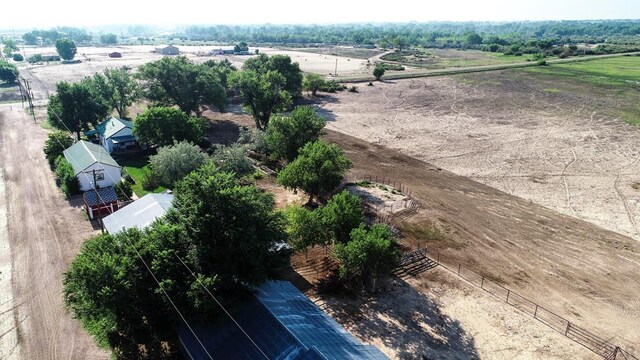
[66, 48]
[262, 94]
[75, 107]
[162, 126]
[178, 81]
[286, 134]
[118, 88]
[282, 64]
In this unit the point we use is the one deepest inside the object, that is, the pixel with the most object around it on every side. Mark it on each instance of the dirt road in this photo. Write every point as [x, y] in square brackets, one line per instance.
[44, 235]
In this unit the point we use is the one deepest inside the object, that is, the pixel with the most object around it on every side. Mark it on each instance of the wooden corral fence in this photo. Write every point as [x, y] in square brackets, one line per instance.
[593, 342]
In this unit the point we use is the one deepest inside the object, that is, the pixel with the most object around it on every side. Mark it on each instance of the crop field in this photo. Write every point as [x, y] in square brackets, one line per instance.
[448, 58]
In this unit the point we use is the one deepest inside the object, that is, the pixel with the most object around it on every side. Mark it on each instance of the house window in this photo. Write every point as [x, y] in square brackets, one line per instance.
[99, 176]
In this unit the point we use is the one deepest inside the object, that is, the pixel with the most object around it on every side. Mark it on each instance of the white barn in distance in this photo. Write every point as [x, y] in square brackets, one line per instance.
[139, 214]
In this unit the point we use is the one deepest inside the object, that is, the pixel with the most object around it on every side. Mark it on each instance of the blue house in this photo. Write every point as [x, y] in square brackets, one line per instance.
[284, 324]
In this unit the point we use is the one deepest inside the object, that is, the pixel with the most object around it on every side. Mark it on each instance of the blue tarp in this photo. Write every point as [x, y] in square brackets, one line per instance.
[284, 324]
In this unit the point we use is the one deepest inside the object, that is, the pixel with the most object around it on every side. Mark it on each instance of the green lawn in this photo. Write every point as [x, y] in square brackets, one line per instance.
[450, 58]
[136, 167]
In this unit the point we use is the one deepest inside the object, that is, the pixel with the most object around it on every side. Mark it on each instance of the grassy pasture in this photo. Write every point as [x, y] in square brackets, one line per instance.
[451, 58]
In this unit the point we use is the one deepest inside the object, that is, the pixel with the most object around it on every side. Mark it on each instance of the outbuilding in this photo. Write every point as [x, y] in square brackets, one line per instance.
[100, 202]
[50, 57]
[115, 136]
[139, 214]
[92, 165]
[115, 54]
[167, 50]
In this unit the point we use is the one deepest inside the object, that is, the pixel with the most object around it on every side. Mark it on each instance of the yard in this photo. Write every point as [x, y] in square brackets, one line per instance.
[136, 167]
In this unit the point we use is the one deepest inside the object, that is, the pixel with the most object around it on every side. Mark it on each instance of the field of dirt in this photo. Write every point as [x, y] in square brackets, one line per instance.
[560, 150]
[44, 234]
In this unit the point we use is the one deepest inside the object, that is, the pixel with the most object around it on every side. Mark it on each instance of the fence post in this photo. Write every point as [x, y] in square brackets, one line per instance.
[482, 283]
[459, 267]
[508, 293]
[535, 313]
[568, 326]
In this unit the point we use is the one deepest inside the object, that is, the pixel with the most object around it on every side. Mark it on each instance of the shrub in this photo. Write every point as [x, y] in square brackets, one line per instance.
[353, 89]
[287, 134]
[233, 159]
[57, 141]
[124, 190]
[18, 57]
[149, 181]
[172, 163]
[255, 140]
[34, 58]
[69, 183]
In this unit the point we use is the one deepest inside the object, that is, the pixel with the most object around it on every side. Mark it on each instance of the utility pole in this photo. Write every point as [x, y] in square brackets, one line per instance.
[335, 73]
[95, 189]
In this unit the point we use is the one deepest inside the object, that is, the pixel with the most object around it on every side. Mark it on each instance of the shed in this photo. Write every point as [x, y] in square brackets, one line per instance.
[167, 50]
[283, 323]
[92, 165]
[50, 57]
[100, 202]
[139, 214]
[115, 54]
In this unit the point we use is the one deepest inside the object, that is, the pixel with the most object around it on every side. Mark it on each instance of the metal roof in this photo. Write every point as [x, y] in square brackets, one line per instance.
[83, 154]
[112, 126]
[140, 213]
[284, 323]
[103, 195]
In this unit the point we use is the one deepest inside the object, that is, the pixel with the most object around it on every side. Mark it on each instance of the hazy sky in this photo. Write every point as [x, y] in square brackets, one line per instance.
[46, 13]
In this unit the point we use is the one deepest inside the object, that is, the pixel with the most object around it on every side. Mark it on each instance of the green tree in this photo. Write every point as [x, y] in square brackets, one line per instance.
[313, 82]
[30, 38]
[262, 94]
[34, 58]
[473, 38]
[69, 183]
[178, 81]
[305, 228]
[400, 42]
[162, 126]
[223, 68]
[378, 71]
[242, 46]
[233, 159]
[9, 47]
[118, 89]
[370, 255]
[57, 142]
[18, 57]
[75, 107]
[317, 170]
[66, 48]
[342, 214]
[282, 64]
[287, 134]
[8, 72]
[172, 163]
[109, 39]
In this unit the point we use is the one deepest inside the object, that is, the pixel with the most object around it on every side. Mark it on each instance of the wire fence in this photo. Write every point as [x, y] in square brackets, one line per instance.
[594, 343]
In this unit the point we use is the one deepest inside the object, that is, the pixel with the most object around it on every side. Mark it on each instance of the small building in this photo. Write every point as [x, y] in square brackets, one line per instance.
[115, 136]
[283, 323]
[139, 214]
[228, 50]
[93, 166]
[115, 54]
[50, 57]
[167, 50]
[100, 202]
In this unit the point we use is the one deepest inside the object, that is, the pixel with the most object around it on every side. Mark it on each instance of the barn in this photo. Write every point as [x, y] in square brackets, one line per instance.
[115, 54]
[167, 50]
[100, 202]
[93, 166]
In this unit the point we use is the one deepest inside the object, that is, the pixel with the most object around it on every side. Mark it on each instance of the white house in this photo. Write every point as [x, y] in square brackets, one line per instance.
[115, 135]
[140, 214]
[92, 165]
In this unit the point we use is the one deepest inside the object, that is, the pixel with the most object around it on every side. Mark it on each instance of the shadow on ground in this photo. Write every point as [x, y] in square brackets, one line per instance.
[406, 321]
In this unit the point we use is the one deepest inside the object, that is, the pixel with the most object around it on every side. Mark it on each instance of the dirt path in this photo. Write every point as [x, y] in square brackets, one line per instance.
[581, 271]
[44, 234]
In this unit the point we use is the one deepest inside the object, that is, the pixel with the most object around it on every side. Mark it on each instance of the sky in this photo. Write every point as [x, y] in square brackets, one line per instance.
[47, 13]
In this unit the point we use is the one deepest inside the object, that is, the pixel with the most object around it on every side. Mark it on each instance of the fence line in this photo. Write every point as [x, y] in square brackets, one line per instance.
[587, 339]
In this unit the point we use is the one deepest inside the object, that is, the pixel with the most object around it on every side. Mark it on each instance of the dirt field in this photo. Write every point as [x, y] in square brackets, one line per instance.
[44, 234]
[561, 150]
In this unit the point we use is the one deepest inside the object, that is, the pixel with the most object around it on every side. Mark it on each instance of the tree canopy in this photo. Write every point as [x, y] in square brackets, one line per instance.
[223, 231]
[282, 64]
[378, 71]
[163, 125]
[57, 142]
[262, 94]
[343, 213]
[371, 254]
[75, 107]
[118, 88]
[317, 170]
[233, 159]
[313, 82]
[174, 162]
[305, 228]
[66, 48]
[8, 72]
[109, 39]
[178, 81]
[286, 134]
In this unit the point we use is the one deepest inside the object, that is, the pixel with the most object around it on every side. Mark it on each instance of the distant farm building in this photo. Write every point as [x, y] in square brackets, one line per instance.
[167, 50]
[280, 323]
[50, 57]
[115, 135]
[222, 51]
[115, 54]
[139, 214]
[92, 165]
[100, 202]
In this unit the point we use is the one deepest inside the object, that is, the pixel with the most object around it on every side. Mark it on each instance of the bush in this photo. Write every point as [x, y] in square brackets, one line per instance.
[56, 143]
[233, 159]
[34, 58]
[255, 140]
[172, 163]
[69, 183]
[149, 181]
[332, 87]
[124, 190]
[18, 57]
[287, 134]
[353, 89]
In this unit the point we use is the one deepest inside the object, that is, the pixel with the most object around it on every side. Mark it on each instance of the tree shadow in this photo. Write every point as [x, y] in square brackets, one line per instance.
[223, 132]
[406, 321]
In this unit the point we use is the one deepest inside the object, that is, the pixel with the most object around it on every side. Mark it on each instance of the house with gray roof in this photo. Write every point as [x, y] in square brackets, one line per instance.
[167, 50]
[93, 166]
[139, 214]
[115, 135]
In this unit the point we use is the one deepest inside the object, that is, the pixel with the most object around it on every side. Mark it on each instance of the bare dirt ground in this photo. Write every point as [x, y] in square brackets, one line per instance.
[45, 233]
